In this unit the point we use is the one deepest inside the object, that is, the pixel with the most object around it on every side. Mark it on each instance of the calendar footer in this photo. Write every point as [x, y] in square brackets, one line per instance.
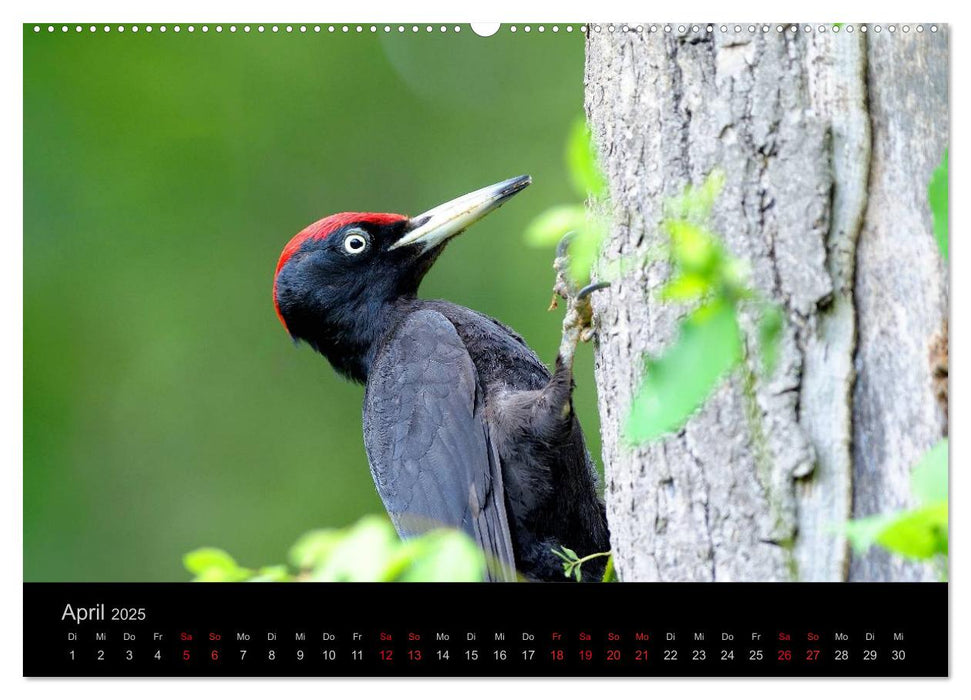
[629, 629]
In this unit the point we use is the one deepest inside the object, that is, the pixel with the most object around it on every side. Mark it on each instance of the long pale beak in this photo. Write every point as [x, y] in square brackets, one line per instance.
[446, 220]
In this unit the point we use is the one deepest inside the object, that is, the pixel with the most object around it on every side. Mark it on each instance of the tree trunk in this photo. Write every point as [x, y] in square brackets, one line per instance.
[827, 142]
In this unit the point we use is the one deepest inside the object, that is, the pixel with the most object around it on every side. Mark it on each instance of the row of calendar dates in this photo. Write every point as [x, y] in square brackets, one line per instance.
[413, 655]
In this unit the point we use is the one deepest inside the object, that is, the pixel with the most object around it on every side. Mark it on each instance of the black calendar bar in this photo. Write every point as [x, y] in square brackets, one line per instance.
[658, 629]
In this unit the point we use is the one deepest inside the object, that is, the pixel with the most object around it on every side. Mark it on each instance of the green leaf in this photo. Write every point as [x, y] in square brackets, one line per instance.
[708, 347]
[570, 553]
[272, 573]
[581, 162]
[213, 564]
[937, 196]
[578, 574]
[929, 478]
[919, 534]
[769, 332]
[546, 230]
[862, 533]
[686, 287]
[363, 554]
[314, 547]
[204, 558]
[443, 555]
[693, 249]
[610, 575]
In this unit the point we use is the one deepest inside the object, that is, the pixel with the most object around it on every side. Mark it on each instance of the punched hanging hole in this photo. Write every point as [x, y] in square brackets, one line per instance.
[485, 28]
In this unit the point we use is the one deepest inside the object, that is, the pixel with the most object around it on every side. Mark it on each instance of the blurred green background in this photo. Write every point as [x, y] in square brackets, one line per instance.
[165, 408]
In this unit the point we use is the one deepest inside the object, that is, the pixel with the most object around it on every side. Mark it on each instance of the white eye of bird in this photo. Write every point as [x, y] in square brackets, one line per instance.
[355, 243]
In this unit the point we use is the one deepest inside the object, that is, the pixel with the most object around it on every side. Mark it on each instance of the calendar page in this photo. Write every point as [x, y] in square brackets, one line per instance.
[544, 349]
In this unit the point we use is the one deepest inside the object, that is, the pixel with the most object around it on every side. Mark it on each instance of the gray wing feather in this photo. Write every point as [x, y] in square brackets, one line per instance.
[428, 442]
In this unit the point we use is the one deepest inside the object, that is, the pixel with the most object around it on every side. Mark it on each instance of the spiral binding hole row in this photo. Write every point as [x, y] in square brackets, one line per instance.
[513, 28]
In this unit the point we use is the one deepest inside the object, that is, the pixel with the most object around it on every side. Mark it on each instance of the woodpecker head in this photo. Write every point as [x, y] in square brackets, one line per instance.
[336, 278]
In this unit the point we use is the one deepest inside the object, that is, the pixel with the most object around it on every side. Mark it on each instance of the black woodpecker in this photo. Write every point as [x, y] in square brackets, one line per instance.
[464, 426]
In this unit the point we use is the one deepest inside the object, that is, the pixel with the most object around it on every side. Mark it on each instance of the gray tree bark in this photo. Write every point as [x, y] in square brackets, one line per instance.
[827, 142]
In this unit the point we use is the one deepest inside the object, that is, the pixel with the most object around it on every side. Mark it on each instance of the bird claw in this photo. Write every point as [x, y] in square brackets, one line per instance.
[591, 288]
[563, 246]
[578, 321]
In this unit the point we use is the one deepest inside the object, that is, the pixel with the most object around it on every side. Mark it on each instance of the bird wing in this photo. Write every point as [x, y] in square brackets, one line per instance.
[428, 442]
